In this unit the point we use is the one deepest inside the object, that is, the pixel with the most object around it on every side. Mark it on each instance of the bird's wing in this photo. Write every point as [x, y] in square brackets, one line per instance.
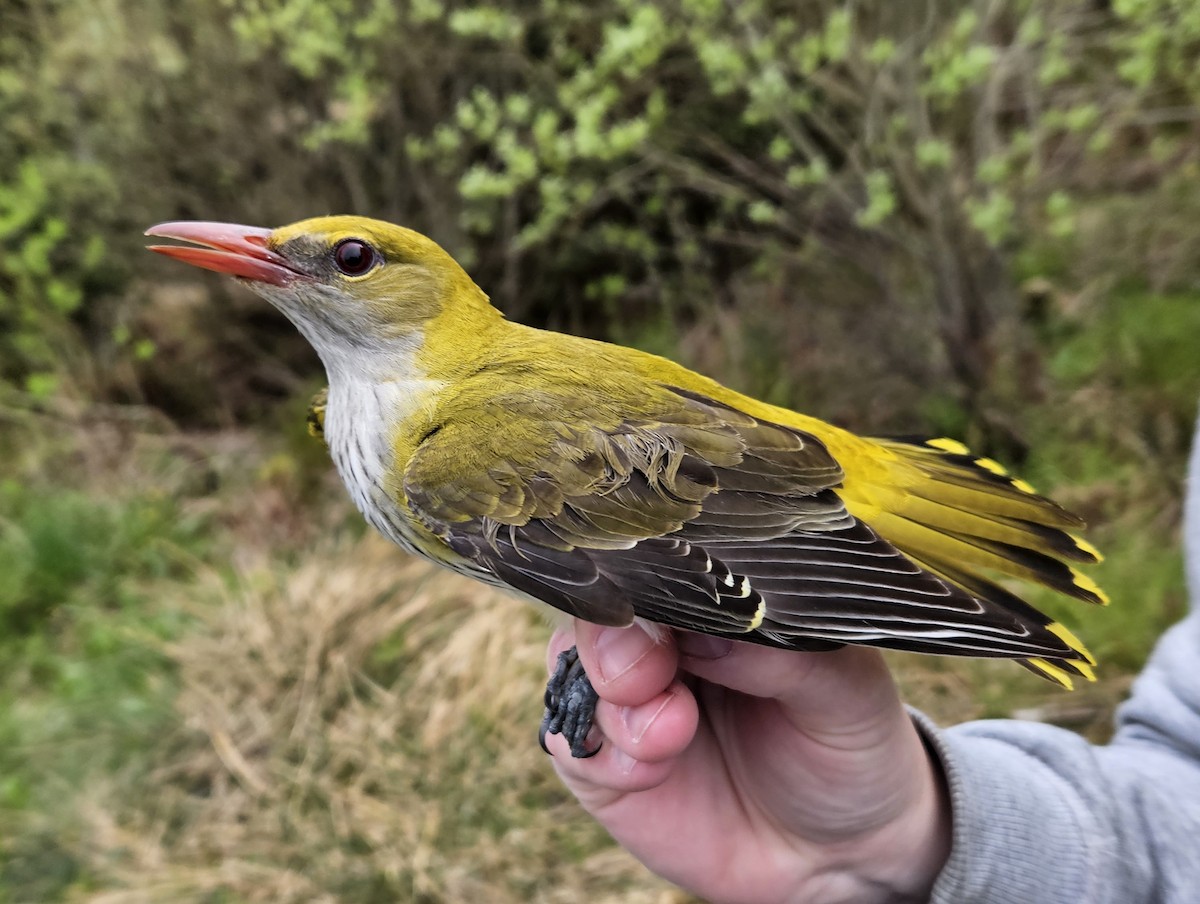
[702, 518]
[315, 419]
[594, 521]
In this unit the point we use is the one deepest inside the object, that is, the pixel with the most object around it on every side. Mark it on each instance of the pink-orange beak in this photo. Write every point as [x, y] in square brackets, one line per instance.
[226, 248]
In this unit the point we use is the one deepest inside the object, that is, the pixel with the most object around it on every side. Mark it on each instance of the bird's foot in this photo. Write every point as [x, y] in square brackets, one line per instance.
[570, 705]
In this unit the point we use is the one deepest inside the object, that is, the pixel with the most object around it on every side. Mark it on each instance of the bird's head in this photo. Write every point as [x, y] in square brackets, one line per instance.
[351, 285]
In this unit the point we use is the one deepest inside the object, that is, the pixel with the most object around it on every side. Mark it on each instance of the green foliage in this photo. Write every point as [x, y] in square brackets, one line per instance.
[84, 680]
[676, 147]
[55, 197]
[59, 549]
[684, 150]
[1145, 576]
[43, 279]
[1142, 348]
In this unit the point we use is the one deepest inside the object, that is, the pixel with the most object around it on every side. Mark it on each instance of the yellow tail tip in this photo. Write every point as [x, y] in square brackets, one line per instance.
[1053, 672]
[1087, 547]
[1083, 582]
[948, 445]
[1067, 636]
[1088, 672]
[1061, 676]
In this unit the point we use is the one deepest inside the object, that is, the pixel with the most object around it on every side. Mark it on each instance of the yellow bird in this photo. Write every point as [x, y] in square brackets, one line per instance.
[617, 486]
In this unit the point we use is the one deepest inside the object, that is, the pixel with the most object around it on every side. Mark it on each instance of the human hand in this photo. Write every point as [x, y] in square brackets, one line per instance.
[769, 776]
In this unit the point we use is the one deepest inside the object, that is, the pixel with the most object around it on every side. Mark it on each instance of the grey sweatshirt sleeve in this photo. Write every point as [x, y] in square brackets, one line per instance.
[1041, 815]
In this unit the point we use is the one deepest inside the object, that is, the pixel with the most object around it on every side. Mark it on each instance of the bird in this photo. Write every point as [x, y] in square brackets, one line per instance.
[617, 486]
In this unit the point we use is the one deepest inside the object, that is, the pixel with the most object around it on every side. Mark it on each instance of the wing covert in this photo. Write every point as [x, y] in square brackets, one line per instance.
[610, 523]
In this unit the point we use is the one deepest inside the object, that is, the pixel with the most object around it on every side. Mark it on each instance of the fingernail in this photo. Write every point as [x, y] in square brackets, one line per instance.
[636, 720]
[620, 649]
[623, 761]
[703, 646]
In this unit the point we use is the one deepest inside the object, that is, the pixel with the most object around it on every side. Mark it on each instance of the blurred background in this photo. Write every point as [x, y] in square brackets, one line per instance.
[977, 219]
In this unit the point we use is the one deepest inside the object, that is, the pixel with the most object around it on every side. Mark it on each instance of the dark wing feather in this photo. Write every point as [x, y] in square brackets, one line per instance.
[660, 575]
[850, 585]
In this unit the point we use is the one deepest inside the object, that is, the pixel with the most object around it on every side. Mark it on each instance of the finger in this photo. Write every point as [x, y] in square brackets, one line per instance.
[641, 746]
[637, 738]
[626, 665]
[657, 730]
[821, 691]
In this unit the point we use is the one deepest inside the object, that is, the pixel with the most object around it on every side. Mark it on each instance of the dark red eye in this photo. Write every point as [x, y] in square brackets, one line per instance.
[354, 257]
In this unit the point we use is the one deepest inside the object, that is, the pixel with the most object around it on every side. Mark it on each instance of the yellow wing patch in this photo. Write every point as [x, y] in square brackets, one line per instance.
[758, 617]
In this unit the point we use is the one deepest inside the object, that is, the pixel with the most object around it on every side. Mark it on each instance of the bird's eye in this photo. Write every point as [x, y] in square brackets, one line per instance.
[354, 257]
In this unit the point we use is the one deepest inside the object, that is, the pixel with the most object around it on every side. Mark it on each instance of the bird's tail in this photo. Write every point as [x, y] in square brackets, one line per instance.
[964, 517]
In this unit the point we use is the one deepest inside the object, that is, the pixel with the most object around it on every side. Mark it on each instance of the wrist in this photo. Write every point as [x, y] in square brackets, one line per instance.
[899, 861]
[917, 845]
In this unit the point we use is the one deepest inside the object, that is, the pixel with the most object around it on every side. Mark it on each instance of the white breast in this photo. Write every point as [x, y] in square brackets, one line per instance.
[360, 420]
[370, 395]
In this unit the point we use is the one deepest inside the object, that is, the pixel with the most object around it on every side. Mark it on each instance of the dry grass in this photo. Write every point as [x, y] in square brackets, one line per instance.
[358, 728]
